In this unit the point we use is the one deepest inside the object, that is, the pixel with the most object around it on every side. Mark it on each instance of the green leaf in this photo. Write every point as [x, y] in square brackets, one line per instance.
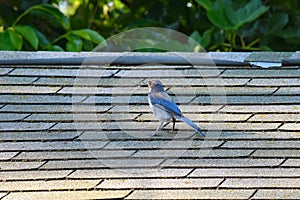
[226, 17]
[206, 38]
[206, 4]
[219, 19]
[49, 10]
[274, 24]
[249, 30]
[74, 43]
[43, 41]
[55, 48]
[196, 36]
[88, 45]
[90, 35]
[15, 38]
[6, 43]
[217, 15]
[247, 13]
[28, 34]
[83, 34]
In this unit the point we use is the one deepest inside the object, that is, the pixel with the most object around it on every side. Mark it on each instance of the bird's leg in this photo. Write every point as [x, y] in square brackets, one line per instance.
[174, 121]
[158, 128]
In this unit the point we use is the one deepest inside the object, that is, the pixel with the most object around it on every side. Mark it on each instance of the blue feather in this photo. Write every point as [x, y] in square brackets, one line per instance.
[169, 106]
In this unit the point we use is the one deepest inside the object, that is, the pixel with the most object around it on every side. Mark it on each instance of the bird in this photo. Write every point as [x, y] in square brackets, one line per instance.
[164, 109]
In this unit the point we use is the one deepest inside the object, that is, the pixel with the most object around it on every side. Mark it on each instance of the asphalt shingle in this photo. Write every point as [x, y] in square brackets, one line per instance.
[73, 132]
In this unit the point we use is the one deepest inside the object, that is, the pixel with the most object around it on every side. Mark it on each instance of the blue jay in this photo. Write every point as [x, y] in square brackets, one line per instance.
[164, 109]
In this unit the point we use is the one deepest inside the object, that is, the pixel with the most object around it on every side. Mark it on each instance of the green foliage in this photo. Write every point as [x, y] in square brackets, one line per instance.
[252, 25]
[227, 18]
[6, 42]
[230, 16]
[49, 12]
[218, 25]
[89, 35]
[29, 34]
[47, 29]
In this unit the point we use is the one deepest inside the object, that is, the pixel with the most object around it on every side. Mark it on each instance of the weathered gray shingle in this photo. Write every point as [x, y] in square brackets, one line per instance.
[73, 132]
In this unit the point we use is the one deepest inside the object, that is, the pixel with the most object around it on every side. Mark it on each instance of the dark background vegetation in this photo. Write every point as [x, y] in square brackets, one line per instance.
[218, 25]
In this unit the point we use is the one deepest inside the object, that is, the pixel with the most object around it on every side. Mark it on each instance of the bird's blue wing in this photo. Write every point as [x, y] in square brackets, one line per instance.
[167, 105]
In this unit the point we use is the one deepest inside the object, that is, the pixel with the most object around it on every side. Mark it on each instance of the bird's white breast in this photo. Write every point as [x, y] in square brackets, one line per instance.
[160, 114]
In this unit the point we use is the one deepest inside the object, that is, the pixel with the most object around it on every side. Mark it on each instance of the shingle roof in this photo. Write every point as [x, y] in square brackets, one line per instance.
[86, 131]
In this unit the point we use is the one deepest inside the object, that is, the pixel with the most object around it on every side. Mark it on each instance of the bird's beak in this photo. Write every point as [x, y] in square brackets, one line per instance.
[145, 82]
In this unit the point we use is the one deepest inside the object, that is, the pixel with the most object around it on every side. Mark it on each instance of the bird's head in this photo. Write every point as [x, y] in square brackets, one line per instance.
[155, 84]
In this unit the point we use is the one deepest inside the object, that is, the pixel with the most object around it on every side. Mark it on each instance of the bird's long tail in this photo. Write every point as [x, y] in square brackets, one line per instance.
[192, 125]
